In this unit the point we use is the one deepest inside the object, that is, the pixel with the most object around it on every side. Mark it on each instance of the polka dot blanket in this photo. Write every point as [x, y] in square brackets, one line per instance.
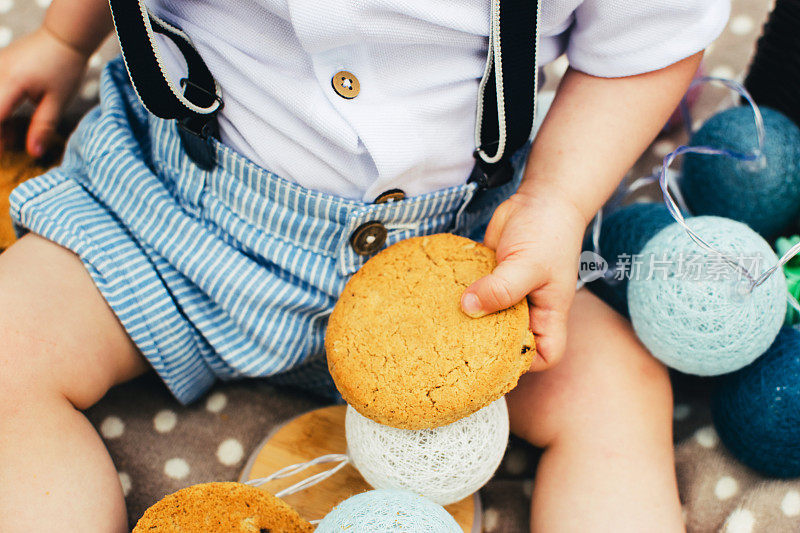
[159, 446]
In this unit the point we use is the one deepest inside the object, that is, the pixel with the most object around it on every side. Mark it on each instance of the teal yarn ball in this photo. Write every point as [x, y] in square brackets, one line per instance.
[382, 510]
[757, 409]
[766, 199]
[693, 311]
[623, 234]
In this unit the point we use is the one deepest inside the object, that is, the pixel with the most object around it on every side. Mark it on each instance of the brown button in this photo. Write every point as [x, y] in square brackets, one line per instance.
[345, 84]
[392, 195]
[368, 238]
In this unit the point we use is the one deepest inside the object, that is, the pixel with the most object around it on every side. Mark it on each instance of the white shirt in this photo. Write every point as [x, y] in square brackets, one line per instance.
[418, 62]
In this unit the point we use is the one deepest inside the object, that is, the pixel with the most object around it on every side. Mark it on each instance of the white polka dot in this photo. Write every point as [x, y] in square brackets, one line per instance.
[230, 452]
[741, 25]
[527, 488]
[6, 35]
[176, 468]
[216, 402]
[6, 5]
[95, 61]
[791, 503]
[112, 427]
[165, 421]
[681, 411]
[515, 462]
[740, 521]
[662, 148]
[706, 437]
[725, 488]
[125, 481]
[43, 3]
[491, 519]
[90, 90]
[723, 71]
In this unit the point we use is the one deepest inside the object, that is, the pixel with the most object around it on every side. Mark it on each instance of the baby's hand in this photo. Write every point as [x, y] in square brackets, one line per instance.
[538, 242]
[45, 70]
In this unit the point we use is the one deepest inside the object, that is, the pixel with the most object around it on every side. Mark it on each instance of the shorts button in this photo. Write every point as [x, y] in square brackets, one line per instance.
[392, 195]
[345, 84]
[368, 238]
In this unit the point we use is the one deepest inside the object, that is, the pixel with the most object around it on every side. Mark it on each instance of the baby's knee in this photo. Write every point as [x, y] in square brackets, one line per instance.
[32, 370]
[599, 387]
[611, 367]
[58, 337]
[631, 387]
[635, 396]
[21, 374]
[637, 377]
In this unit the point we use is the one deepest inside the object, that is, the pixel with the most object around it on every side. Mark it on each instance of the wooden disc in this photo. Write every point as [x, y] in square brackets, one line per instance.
[321, 432]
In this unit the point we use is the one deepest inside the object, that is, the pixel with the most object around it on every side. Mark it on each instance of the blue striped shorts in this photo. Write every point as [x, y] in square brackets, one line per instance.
[218, 274]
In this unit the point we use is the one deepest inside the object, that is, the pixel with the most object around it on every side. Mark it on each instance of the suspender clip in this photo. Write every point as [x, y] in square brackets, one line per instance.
[489, 176]
[196, 133]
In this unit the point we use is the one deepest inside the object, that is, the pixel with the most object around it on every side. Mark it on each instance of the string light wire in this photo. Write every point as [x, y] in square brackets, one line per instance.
[675, 203]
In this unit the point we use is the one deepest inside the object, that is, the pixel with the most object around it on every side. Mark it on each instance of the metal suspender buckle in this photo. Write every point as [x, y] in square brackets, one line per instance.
[196, 132]
[490, 175]
[492, 178]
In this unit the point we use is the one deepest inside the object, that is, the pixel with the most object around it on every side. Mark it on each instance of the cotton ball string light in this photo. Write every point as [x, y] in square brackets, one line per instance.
[623, 234]
[695, 312]
[380, 511]
[765, 197]
[757, 409]
[445, 464]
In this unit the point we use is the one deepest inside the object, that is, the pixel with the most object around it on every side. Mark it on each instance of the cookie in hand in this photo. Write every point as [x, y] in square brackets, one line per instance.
[401, 350]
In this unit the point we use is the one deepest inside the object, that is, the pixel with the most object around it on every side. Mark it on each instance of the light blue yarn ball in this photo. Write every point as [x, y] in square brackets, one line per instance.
[766, 199]
[693, 311]
[379, 511]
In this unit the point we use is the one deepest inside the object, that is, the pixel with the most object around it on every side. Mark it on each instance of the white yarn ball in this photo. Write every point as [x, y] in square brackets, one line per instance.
[693, 311]
[445, 464]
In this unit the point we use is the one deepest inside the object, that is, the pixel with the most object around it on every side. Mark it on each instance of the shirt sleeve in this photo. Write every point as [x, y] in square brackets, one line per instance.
[614, 38]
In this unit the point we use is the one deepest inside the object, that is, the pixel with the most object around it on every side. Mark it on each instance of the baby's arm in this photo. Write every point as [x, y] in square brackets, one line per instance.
[48, 65]
[593, 133]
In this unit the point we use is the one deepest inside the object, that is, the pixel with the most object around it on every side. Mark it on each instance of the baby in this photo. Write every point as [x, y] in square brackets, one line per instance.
[138, 256]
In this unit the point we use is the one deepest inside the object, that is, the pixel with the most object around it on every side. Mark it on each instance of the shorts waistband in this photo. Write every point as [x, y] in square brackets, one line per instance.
[312, 220]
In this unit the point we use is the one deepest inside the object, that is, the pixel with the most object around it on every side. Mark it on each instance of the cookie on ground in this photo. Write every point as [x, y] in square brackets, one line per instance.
[401, 350]
[221, 508]
[17, 166]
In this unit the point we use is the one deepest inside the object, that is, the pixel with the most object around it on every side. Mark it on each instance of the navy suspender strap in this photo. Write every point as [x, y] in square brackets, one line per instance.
[506, 100]
[194, 104]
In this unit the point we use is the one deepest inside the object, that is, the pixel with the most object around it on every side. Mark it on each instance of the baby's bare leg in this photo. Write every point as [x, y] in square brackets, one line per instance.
[604, 417]
[61, 348]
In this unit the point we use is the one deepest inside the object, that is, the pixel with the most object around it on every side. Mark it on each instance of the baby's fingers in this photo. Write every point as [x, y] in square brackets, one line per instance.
[508, 284]
[43, 125]
[549, 314]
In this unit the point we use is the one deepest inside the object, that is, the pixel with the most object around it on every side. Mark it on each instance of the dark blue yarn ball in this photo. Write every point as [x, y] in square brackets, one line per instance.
[757, 409]
[625, 232]
[768, 199]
